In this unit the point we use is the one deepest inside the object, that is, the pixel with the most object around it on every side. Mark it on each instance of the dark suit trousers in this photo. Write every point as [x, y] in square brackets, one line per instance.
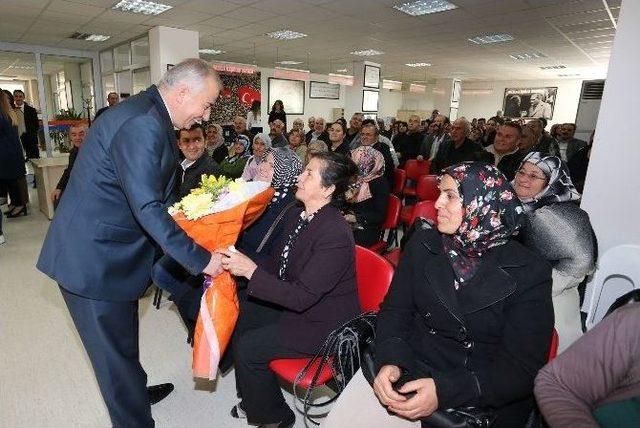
[109, 333]
[258, 386]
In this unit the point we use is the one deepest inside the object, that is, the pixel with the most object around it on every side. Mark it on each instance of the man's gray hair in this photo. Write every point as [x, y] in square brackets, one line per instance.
[465, 124]
[191, 71]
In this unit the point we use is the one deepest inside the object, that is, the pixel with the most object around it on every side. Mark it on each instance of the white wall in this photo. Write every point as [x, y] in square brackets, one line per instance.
[170, 46]
[312, 106]
[485, 105]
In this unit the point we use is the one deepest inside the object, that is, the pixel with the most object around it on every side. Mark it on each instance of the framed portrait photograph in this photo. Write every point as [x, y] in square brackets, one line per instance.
[371, 76]
[532, 103]
[370, 100]
[323, 90]
[291, 92]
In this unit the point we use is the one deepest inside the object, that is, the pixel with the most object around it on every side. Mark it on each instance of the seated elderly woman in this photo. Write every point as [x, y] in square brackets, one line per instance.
[261, 143]
[233, 165]
[468, 318]
[560, 231]
[216, 148]
[367, 202]
[310, 277]
[297, 143]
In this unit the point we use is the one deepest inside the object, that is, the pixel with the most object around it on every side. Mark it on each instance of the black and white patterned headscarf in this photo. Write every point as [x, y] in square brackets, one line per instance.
[559, 188]
[287, 166]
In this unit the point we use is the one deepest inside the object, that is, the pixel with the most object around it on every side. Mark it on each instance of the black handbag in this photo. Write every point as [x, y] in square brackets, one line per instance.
[462, 417]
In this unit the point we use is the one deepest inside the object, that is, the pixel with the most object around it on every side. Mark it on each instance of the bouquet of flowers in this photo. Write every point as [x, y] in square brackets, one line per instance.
[213, 215]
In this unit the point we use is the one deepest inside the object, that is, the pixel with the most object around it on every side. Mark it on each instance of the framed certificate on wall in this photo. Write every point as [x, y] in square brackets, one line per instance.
[370, 100]
[371, 76]
[290, 92]
[322, 90]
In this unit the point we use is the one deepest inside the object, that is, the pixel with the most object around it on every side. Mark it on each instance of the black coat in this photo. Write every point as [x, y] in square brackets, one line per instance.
[449, 155]
[220, 153]
[371, 212]
[11, 158]
[273, 115]
[482, 344]
[64, 179]
[30, 137]
[193, 174]
[324, 136]
[389, 166]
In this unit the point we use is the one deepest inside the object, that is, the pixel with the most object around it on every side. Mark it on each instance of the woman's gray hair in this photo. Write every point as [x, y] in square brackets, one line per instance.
[191, 71]
[266, 139]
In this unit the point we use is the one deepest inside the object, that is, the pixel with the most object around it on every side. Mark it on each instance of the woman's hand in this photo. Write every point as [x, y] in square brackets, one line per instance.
[422, 404]
[237, 263]
[383, 385]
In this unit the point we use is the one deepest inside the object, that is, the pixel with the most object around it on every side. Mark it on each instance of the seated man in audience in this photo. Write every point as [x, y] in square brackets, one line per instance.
[240, 127]
[319, 131]
[489, 132]
[504, 149]
[567, 143]
[410, 145]
[312, 123]
[596, 381]
[353, 132]
[459, 149]
[112, 100]
[278, 138]
[77, 132]
[298, 125]
[384, 140]
[545, 144]
[369, 137]
[191, 143]
[435, 137]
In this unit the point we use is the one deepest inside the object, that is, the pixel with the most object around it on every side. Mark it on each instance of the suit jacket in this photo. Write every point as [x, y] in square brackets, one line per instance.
[573, 146]
[482, 344]
[102, 241]
[319, 292]
[64, 179]
[30, 137]
[427, 144]
[449, 155]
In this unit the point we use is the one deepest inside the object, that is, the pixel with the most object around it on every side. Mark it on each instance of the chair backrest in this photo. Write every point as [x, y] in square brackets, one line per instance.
[427, 188]
[373, 277]
[399, 178]
[425, 209]
[553, 349]
[415, 168]
[393, 213]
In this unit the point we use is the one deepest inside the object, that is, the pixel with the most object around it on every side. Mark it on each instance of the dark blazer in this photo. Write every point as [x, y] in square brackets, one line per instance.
[64, 179]
[193, 174]
[11, 158]
[100, 111]
[573, 146]
[449, 155]
[273, 115]
[102, 241]
[371, 212]
[427, 144]
[30, 137]
[220, 153]
[343, 148]
[324, 136]
[482, 344]
[389, 166]
[320, 291]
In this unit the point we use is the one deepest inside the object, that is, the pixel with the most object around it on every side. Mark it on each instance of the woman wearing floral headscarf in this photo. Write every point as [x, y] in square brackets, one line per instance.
[234, 164]
[367, 202]
[560, 231]
[468, 318]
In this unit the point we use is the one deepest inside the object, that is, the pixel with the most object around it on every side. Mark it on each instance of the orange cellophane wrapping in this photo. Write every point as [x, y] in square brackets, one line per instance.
[220, 302]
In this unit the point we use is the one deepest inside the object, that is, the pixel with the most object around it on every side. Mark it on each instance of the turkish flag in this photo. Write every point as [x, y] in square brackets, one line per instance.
[248, 95]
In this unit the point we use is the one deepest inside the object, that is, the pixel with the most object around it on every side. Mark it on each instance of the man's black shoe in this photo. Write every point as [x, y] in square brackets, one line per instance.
[158, 393]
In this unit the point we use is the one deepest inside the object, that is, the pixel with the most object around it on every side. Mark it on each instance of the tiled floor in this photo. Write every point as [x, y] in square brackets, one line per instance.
[46, 379]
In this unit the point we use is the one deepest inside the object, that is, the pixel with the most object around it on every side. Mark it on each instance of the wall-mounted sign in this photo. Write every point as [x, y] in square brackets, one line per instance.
[371, 76]
[370, 100]
[329, 91]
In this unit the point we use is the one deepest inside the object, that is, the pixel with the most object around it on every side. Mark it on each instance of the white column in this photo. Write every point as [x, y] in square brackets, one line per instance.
[170, 46]
[612, 188]
[43, 106]
[354, 94]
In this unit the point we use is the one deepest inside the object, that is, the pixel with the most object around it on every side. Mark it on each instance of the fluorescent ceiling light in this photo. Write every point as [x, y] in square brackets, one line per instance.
[491, 38]
[141, 6]
[22, 67]
[423, 7]
[527, 56]
[552, 67]
[419, 89]
[211, 51]
[367, 52]
[89, 37]
[285, 35]
[391, 84]
[289, 62]
[342, 70]
[569, 75]
[418, 64]
[341, 79]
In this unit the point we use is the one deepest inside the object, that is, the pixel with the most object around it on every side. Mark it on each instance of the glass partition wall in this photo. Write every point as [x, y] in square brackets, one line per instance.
[125, 68]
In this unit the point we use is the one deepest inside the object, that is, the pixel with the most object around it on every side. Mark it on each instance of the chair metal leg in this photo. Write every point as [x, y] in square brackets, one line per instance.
[157, 297]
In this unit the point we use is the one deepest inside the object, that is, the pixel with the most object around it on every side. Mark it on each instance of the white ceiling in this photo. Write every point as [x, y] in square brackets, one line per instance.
[575, 33]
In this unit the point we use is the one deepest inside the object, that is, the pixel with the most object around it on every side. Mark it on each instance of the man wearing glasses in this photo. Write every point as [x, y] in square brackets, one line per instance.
[102, 242]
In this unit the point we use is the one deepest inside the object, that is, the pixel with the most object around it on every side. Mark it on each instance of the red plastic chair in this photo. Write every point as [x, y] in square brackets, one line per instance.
[553, 349]
[399, 178]
[390, 223]
[373, 277]
[393, 256]
[414, 169]
[426, 190]
[425, 209]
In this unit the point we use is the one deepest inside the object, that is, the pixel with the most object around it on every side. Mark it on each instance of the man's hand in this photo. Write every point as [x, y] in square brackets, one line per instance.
[55, 195]
[383, 386]
[238, 264]
[422, 404]
[214, 268]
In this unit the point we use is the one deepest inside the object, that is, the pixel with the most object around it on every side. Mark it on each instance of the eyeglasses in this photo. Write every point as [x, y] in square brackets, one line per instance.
[530, 176]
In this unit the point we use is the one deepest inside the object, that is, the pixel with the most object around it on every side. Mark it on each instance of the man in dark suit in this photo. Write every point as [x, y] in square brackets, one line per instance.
[27, 125]
[102, 242]
[459, 149]
[436, 137]
[112, 100]
[77, 134]
[567, 143]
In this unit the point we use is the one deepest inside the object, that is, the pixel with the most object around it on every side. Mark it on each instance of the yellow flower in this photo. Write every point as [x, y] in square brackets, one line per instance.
[195, 206]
